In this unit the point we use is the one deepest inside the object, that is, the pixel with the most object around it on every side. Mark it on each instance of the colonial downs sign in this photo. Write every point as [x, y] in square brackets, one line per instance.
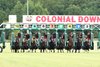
[85, 19]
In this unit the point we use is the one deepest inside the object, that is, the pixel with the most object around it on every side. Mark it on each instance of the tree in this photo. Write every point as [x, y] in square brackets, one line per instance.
[88, 11]
[5, 8]
[35, 8]
[23, 1]
[55, 7]
[2, 16]
[73, 10]
[18, 11]
[4, 4]
[39, 10]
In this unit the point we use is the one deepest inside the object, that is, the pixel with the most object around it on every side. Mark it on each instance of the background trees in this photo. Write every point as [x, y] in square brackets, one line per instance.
[45, 7]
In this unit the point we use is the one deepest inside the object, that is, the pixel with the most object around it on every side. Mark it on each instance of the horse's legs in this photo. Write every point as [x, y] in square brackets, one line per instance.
[32, 50]
[40, 50]
[35, 50]
[50, 50]
[75, 50]
[43, 50]
[53, 50]
[23, 50]
[46, 50]
[78, 51]
[11, 50]
[87, 50]
[72, 50]
[67, 51]
[62, 50]
[58, 50]
[15, 50]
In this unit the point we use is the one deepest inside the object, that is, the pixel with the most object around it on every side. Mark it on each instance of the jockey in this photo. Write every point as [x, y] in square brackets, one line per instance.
[70, 34]
[89, 36]
[87, 40]
[33, 39]
[62, 36]
[17, 39]
[41, 38]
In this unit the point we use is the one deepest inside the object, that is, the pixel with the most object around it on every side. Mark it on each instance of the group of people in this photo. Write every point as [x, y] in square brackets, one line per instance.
[43, 43]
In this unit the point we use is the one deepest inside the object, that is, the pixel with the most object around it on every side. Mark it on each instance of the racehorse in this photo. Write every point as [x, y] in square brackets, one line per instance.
[33, 44]
[25, 43]
[16, 46]
[78, 43]
[87, 43]
[70, 43]
[61, 43]
[52, 43]
[43, 43]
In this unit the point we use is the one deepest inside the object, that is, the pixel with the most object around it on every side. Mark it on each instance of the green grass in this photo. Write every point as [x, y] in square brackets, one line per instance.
[83, 59]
